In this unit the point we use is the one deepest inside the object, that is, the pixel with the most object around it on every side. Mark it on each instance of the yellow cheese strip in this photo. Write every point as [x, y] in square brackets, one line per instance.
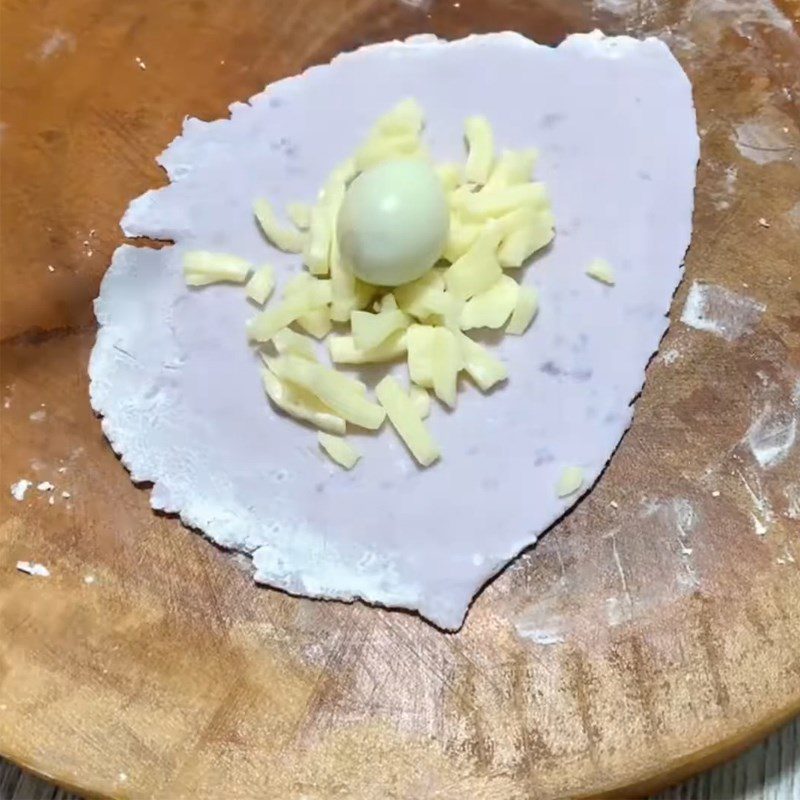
[341, 451]
[287, 341]
[380, 148]
[460, 237]
[316, 254]
[343, 395]
[300, 404]
[491, 308]
[201, 267]
[450, 175]
[344, 351]
[261, 285]
[369, 330]
[300, 215]
[406, 117]
[602, 271]
[318, 322]
[419, 297]
[482, 367]
[283, 237]
[420, 399]
[513, 167]
[478, 269]
[524, 311]
[388, 303]
[447, 363]
[406, 420]
[309, 297]
[480, 143]
[420, 344]
[487, 204]
[570, 481]
[524, 241]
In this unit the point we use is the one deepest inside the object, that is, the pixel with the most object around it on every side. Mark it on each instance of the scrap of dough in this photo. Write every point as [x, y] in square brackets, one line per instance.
[31, 568]
[243, 476]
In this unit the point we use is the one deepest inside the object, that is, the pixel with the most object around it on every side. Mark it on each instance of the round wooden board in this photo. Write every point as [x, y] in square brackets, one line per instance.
[653, 631]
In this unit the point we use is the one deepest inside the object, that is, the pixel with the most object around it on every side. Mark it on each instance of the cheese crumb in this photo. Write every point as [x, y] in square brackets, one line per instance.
[570, 481]
[341, 451]
[480, 141]
[602, 271]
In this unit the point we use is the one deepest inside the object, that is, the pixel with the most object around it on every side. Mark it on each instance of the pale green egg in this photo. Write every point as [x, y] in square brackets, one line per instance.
[393, 223]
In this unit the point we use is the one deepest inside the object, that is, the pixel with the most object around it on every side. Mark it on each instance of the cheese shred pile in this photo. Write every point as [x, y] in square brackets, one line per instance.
[499, 217]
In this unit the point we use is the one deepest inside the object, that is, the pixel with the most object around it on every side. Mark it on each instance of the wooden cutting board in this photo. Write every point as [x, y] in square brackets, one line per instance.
[653, 631]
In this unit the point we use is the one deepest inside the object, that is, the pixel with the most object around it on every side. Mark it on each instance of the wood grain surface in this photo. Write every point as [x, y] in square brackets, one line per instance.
[652, 632]
[769, 771]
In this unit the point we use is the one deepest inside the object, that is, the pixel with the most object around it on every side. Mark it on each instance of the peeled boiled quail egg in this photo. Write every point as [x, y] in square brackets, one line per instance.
[393, 223]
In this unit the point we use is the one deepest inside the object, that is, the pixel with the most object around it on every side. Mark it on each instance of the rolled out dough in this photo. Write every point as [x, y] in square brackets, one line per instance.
[179, 389]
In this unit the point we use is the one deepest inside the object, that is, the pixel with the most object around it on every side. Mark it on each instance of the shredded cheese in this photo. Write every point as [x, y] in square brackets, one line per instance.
[486, 370]
[407, 421]
[602, 271]
[201, 267]
[478, 269]
[446, 364]
[370, 330]
[570, 481]
[300, 404]
[491, 308]
[341, 451]
[287, 341]
[283, 237]
[261, 285]
[334, 389]
[480, 141]
[343, 350]
[524, 311]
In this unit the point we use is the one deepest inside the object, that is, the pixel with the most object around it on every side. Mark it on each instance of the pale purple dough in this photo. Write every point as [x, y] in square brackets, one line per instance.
[179, 388]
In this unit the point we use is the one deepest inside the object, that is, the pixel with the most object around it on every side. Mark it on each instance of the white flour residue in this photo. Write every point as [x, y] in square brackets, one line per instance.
[19, 488]
[32, 568]
[743, 14]
[761, 513]
[772, 435]
[722, 197]
[55, 43]
[720, 311]
[682, 518]
[543, 622]
[670, 356]
[766, 137]
[793, 215]
[615, 6]
[792, 494]
[38, 416]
